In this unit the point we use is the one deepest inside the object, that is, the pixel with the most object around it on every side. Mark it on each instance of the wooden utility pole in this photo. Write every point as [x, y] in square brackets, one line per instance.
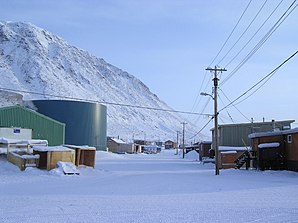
[177, 143]
[215, 71]
[183, 142]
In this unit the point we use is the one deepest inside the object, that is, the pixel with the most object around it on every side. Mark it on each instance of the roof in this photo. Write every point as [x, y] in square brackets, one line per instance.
[206, 142]
[31, 111]
[119, 141]
[249, 124]
[274, 133]
[169, 141]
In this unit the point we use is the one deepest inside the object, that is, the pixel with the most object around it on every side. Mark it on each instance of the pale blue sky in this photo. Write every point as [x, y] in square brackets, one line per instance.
[167, 44]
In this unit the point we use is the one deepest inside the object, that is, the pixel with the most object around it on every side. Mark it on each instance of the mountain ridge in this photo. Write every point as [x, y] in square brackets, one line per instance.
[32, 59]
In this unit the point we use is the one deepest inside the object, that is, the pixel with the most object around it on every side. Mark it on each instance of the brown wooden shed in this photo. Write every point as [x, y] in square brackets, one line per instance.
[286, 152]
[204, 149]
[169, 144]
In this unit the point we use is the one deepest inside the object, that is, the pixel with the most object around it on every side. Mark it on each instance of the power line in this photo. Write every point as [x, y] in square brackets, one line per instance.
[201, 129]
[203, 110]
[206, 104]
[249, 25]
[235, 106]
[268, 75]
[197, 103]
[254, 34]
[226, 110]
[102, 102]
[262, 41]
[231, 33]
[197, 97]
[257, 88]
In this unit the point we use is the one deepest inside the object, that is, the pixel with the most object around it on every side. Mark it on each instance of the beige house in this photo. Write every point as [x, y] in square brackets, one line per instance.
[119, 146]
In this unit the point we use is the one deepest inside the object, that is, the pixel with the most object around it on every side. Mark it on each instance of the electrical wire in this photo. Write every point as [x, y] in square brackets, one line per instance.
[262, 41]
[254, 34]
[260, 81]
[231, 33]
[199, 102]
[203, 110]
[102, 102]
[234, 105]
[249, 25]
[221, 119]
[201, 129]
[226, 110]
[196, 103]
[256, 89]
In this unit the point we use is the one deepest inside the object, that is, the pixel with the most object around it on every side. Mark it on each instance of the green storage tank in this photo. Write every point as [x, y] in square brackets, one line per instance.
[42, 126]
[86, 123]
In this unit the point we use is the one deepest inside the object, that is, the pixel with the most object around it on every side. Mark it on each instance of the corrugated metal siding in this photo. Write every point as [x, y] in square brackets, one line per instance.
[232, 135]
[42, 126]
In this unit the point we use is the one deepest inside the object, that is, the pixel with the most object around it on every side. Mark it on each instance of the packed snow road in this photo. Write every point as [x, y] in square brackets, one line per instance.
[147, 188]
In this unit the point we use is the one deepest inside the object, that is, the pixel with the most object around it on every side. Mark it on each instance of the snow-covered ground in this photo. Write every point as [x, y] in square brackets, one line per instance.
[147, 188]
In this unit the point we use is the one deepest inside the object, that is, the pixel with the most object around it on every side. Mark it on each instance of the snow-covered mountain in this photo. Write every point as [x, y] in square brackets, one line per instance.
[32, 59]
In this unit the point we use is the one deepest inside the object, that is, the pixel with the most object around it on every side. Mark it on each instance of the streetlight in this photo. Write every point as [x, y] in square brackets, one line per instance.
[206, 94]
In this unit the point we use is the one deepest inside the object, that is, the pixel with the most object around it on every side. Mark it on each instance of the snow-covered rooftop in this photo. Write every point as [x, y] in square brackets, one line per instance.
[51, 148]
[4, 140]
[269, 145]
[119, 141]
[274, 133]
[233, 148]
[79, 147]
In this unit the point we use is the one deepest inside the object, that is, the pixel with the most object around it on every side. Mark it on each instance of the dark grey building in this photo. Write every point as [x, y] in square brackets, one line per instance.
[86, 123]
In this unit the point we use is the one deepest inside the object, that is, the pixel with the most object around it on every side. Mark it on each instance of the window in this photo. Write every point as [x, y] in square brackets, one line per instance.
[289, 138]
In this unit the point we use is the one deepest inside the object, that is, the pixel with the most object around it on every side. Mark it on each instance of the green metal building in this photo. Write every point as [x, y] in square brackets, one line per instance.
[42, 126]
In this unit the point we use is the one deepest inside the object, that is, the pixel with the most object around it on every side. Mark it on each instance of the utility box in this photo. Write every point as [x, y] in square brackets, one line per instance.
[16, 133]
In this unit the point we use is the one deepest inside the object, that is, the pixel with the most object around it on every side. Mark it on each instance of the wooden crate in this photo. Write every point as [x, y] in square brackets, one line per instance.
[23, 159]
[84, 155]
[50, 155]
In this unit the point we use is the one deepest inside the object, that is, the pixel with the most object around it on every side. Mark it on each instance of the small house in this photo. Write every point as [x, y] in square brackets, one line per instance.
[116, 145]
[170, 144]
